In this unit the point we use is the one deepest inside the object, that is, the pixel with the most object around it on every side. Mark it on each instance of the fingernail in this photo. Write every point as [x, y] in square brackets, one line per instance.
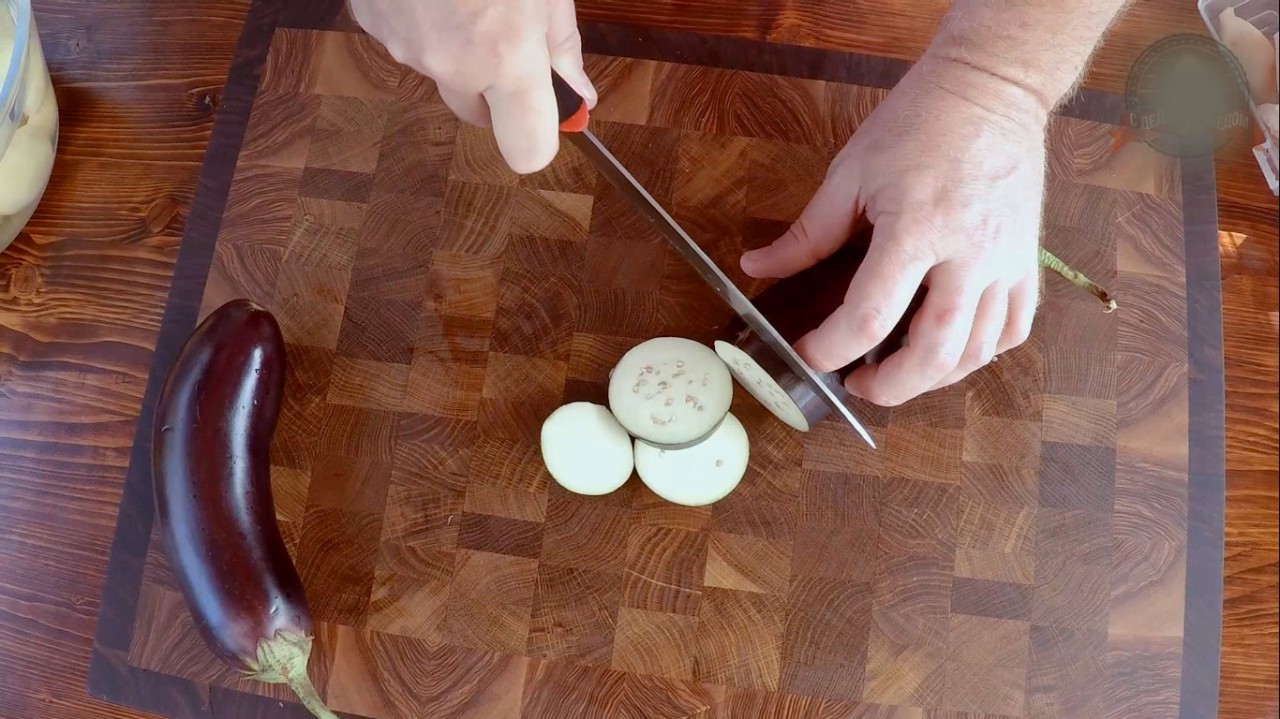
[753, 259]
[855, 383]
[590, 94]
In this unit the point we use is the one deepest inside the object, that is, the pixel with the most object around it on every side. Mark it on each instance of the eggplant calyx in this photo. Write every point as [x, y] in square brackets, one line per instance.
[283, 659]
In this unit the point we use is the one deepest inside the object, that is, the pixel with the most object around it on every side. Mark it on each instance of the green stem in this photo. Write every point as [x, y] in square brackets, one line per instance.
[1049, 260]
[283, 659]
[306, 691]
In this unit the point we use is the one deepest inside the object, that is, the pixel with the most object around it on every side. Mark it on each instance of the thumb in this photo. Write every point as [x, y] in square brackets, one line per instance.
[823, 227]
[564, 43]
[522, 109]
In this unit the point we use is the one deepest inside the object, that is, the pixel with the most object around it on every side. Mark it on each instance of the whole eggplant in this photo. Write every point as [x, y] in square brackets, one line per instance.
[211, 471]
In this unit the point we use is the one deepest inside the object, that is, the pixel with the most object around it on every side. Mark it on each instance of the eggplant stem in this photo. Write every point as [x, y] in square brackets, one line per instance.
[1077, 278]
[283, 659]
[302, 686]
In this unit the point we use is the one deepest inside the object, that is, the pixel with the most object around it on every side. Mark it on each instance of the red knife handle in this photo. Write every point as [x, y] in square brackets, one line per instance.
[571, 106]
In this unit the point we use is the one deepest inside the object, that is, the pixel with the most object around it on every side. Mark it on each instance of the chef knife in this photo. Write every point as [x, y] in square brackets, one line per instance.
[574, 117]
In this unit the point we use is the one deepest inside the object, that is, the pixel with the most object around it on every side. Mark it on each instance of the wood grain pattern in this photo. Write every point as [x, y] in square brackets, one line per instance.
[67, 334]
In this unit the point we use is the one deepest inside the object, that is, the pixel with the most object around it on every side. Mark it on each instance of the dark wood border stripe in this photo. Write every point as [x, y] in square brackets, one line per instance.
[1206, 470]
[112, 679]
[312, 14]
[231, 704]
[734, 53]
[115, 622]
[171, 696]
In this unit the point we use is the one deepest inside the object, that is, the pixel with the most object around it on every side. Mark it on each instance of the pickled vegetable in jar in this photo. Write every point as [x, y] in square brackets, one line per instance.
[28, 119]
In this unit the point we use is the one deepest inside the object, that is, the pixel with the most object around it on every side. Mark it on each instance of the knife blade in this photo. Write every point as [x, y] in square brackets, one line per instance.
[574, 118]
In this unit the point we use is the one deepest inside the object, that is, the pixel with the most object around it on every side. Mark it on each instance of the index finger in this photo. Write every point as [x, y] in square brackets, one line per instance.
[879, 294]
[523, 111]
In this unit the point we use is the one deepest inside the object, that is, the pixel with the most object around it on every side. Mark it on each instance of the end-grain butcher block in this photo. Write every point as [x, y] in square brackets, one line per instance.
[1040, 540]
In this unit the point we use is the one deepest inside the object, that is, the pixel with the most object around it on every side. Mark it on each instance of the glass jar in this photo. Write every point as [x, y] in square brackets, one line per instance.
[28, 119]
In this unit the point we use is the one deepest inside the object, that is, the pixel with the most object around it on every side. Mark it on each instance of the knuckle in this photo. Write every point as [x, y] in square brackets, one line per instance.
[945, 360]
[947, 312]
[836, 168]
[976, 356]
[493, 27]
[506, 62]
[938, 366]
[871, 323]
[800, 241]
[498, 43]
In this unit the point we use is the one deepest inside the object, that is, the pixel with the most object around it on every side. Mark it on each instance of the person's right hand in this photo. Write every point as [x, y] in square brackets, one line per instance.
[492, 61]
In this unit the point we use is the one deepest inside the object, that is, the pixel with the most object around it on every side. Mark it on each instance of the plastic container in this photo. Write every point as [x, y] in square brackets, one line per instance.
[1262, 15]
[28, 119]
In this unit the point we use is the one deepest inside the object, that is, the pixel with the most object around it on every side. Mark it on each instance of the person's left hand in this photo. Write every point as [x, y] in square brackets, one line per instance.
[950, 170]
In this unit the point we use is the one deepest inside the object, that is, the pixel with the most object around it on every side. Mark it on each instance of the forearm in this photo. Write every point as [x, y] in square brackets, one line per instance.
[1040, 46]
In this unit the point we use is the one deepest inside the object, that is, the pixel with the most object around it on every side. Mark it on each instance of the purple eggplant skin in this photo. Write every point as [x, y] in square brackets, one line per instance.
[211, 470]
[796, 305]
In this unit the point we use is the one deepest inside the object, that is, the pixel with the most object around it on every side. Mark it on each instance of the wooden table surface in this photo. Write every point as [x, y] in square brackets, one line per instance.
[81, 299]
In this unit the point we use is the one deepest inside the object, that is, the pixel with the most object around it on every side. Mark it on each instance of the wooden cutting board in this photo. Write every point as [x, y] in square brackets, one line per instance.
[1043, 540]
